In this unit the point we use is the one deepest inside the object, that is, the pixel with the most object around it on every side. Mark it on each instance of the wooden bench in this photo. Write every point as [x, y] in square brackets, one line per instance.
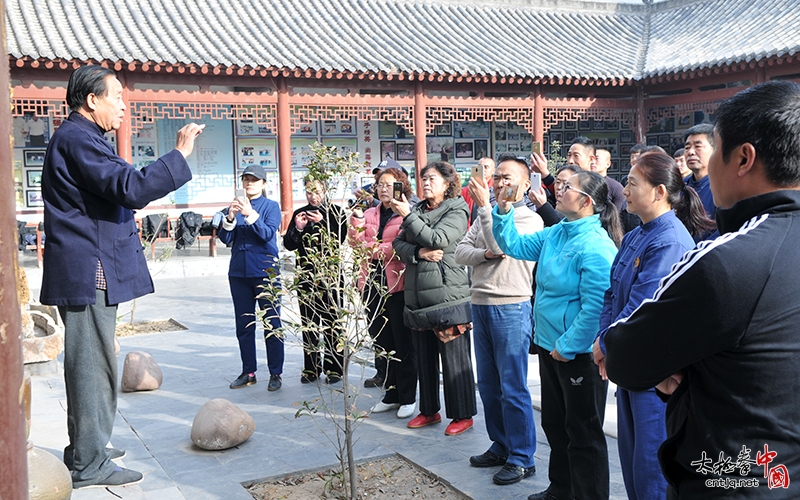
[172, 229]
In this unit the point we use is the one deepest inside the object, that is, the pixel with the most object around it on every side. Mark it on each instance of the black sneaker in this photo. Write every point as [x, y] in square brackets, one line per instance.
[274, 383]
[120, 477]
[307, 378]
[115, 454]
[547, 495]
[332, 378]
[511, 474]
[374, 382]
[488, 459]
[243, 380]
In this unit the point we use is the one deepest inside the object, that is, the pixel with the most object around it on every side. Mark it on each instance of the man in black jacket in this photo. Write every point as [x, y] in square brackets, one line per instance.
[721, 336]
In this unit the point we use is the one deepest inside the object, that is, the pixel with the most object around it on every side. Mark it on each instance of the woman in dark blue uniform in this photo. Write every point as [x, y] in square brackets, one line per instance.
[250, 229]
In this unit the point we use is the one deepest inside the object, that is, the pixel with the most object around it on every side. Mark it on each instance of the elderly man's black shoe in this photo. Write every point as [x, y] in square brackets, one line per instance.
[511, 474]
[546, 495]
[243, 380]
[488, 459]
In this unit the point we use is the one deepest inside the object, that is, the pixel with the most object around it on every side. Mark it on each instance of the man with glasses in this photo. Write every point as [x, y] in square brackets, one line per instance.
[501, 321]
[488, 172]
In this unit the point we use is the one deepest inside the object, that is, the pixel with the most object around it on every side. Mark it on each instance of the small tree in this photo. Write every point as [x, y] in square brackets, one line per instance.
[556, 160]
[337, 267]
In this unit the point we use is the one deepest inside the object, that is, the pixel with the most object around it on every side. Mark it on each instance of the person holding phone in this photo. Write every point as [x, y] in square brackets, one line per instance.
[375, 230]
[250, 229]
[318, 314]
[574, 259]
[437, 297]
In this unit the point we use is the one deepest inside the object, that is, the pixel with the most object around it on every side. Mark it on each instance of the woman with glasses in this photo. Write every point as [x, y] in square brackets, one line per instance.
[437, 297]
[374, 231]
[574, 259]
[671, 215]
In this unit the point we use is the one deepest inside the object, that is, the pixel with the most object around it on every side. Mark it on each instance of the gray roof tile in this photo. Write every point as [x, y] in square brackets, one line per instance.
[529, 38]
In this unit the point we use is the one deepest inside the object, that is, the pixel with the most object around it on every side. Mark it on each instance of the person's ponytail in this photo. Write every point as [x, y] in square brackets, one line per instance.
[595, 185]
[690, 211]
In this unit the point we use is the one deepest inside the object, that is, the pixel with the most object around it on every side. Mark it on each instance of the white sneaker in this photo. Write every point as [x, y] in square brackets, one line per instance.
[383, 407]
[406, 411]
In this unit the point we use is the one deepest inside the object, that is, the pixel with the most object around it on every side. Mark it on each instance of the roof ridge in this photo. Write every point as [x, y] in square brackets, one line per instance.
[641, 59]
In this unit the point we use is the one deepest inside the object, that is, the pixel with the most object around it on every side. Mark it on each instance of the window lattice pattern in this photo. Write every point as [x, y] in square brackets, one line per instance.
[143, 112]
[52, 108]
[306, 113]
[552, 116]
[436, 115]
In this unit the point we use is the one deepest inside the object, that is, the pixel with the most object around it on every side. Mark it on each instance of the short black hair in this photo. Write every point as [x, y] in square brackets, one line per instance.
[585, 142]
[638, 148]
[84, 81]
[520, 163]
[505, 157]
[768, 117]
[705, 129]
[678, 152]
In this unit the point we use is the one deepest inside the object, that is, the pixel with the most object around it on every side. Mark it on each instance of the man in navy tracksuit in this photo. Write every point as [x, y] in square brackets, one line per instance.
[721, 336]
[94, 258]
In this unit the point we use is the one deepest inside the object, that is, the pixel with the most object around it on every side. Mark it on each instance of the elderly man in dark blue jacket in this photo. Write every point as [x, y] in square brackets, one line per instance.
[94, 257]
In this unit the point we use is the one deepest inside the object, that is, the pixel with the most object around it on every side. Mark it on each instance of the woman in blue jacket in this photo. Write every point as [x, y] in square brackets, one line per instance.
[671, 214]
[574, 259]
[250, 229]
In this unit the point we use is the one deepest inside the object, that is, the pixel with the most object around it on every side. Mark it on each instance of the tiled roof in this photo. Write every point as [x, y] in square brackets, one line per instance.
[690, 35]
[527, 38]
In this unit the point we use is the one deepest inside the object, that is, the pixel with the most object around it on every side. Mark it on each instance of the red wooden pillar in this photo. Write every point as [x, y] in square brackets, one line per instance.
[641, 116]
[124, 130]
[538, 114]
[13, 460]
[284, 152]
[420, 150]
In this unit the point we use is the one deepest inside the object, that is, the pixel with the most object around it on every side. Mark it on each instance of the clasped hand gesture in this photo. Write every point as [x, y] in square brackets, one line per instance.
[302, 219]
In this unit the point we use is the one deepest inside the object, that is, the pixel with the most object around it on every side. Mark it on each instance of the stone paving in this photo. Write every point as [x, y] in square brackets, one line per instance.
[199, 363]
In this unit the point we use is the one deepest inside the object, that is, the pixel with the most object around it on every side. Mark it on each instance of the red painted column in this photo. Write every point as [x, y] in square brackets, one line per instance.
[13, 460]
[538, 114]
[124, 130]
[284, 152]
[420, 150]
[641, 116]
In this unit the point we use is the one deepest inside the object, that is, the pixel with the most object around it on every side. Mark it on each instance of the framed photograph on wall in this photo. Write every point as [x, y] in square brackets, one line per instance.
[585, 125]
[555, 136]
[388, 150]
[469, 130]
[34, 157]
[464, 149]
[626, 136]
[570, 125]
[625, 150]
[405, 151]
[34, 198]
[445, 129]
[598, 125]
[308, 129]
[652, 140]
[570, 136]
[34, 178]
[663, 141]
[481, 148]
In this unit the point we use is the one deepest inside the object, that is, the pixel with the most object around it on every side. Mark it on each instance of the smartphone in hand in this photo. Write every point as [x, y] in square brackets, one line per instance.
[477, 171]
[510, 193]
[536, 181]
[241, 194]
[397, 191]
[537, 147]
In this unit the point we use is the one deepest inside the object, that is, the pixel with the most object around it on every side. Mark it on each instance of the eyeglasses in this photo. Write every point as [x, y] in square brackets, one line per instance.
[567, 186]
[384, 186]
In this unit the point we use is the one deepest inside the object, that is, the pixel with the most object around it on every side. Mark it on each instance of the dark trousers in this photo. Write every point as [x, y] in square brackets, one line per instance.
[459, 382]
[244, 292]
[573, 409]
[378, 329]
[401, 372]
[90, 378]
[321, 354]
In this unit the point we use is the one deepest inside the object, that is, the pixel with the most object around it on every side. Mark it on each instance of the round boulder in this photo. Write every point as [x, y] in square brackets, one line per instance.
[220, 424]
[140, 373]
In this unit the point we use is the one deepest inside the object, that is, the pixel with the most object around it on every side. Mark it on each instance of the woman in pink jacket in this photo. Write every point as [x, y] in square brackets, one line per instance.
[374, 231]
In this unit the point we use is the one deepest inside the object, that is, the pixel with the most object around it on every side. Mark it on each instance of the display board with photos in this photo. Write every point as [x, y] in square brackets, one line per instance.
[144, 146]
[510, 137]
[211, 161]
[259, 151]
[668, 131]
[607, 134]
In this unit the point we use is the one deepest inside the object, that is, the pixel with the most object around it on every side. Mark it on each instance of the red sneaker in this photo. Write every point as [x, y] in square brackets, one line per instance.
[423, 420]
[458, 426]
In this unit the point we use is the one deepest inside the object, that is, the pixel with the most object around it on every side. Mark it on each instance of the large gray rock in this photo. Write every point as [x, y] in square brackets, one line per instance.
[140, 373]
[220, 424]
